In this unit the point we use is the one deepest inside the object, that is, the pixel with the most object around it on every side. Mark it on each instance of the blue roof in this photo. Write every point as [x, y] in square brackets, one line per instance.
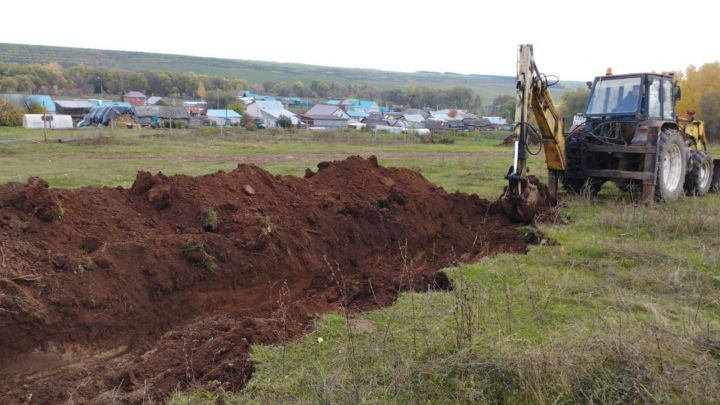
[367, 104]
[364, 104]
[356, 113]
[41, 99]
[100, 103]
[223, 113]
[333, 102]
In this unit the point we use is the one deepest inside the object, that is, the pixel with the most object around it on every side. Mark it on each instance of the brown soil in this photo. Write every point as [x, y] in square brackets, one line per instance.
[127, 294]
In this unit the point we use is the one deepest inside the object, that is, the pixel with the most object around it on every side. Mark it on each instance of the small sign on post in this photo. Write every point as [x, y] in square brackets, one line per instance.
[46, 118]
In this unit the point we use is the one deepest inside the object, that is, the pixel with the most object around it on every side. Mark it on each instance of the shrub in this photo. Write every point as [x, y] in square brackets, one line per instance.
[211, 221]
[284, 122]
[10, 114]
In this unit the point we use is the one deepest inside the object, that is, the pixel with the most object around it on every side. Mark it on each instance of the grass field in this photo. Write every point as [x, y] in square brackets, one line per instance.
[622, 304]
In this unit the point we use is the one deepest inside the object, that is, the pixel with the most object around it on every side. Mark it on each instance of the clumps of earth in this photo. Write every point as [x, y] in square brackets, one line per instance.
[114, 294]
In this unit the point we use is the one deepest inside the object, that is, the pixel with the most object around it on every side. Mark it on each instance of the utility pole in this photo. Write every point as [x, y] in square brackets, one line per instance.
[45, 121]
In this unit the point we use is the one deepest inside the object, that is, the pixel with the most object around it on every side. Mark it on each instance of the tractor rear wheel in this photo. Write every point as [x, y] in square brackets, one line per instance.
[715, 186]
[700, 173]
[671, 166]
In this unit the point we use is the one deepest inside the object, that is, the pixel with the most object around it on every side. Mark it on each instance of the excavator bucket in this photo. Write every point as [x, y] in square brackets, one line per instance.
[524, 205]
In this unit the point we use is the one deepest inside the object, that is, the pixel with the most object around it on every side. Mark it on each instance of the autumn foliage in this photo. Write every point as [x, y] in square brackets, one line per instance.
[701, 93]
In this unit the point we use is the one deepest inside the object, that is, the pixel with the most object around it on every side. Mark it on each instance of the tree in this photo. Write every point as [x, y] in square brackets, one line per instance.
[220, 98]
[10, 114]
[573, 102]
[237, 106]
[201, 89]
[709, 111]
[700, 87]
[34, 107]
[298, 89]
[505, 107]
[284, 121]
[137, 81]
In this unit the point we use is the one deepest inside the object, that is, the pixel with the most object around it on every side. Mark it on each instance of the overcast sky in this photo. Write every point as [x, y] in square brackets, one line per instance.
[574, 40]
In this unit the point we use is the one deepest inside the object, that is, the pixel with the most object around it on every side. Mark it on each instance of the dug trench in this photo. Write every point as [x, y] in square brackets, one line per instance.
[112, 294]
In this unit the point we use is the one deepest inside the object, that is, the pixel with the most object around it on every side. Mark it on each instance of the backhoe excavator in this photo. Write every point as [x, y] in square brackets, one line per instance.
[630, 135]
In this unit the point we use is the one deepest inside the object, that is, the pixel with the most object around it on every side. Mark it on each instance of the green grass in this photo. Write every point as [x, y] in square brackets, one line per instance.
[623, 307]
[112, 158]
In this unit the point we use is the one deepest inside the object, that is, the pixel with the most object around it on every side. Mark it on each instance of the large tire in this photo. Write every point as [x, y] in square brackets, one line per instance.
[671, 166]
[715, 186]
[700, 173]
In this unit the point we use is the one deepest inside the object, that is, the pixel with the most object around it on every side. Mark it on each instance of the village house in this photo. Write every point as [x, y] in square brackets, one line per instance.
[359, 109]
[268, 112]
[223, 117]
[135, 98]
[156, 116]
[374, 119]
[195, 108]
[326, 116]
[74, 108]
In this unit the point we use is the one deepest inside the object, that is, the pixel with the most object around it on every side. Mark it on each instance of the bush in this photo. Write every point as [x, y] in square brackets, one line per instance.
[33, 107]
[237, 106]
[10, 114]
[284, 122]
[176, 124]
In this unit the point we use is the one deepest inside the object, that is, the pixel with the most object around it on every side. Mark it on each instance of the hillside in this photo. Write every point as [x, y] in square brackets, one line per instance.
[255, 72]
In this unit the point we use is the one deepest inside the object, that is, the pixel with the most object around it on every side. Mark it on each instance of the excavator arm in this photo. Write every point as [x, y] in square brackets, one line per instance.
[522, 195]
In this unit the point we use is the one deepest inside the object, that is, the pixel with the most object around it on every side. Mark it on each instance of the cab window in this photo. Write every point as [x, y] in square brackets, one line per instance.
[654, 98]
[667, 100]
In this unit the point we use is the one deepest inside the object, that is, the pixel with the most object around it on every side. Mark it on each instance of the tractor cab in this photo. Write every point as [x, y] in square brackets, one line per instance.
[646, 96]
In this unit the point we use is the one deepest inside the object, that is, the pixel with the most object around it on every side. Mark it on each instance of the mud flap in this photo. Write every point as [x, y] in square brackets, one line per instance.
[715, 186]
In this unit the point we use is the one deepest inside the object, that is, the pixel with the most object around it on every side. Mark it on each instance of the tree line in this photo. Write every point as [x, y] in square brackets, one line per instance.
[54, 79]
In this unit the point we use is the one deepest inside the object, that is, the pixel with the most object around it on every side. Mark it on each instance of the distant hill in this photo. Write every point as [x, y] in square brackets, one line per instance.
[256, 72]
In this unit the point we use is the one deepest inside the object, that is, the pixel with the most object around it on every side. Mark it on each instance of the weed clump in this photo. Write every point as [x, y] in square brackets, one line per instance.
[211, 223]
[196, 253]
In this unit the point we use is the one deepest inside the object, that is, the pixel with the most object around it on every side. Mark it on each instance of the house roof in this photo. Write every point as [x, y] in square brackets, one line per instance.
[275, 109]
[161, 111]
[134, 94]
[100, 103]
[355, 112]
[496, 120]
[363, 104]
[414, 118]
[325, 111]
[153, 99]
[223, 114]
[416, 111]
[74, 103]
[41, 99]
[444, 115]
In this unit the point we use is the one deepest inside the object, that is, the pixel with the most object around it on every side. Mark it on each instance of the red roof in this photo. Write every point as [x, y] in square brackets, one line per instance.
[134, 94]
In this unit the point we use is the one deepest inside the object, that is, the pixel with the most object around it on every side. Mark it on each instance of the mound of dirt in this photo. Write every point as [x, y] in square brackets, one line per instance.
[112, 294]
